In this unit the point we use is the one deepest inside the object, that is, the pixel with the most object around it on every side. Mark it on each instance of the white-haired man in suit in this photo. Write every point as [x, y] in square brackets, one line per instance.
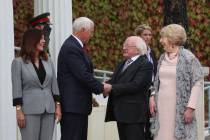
[128, 100]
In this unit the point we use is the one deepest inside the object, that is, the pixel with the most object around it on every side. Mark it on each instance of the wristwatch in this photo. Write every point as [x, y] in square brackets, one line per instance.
[58, 103]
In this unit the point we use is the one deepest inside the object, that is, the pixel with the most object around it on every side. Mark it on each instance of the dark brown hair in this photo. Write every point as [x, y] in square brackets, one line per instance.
[29, 43]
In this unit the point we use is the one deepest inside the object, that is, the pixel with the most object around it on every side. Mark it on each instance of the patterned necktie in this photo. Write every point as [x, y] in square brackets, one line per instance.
[127, 63]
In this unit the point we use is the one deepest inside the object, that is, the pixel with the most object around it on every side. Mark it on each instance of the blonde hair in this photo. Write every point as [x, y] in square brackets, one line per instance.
[175, 33]
[139, 29]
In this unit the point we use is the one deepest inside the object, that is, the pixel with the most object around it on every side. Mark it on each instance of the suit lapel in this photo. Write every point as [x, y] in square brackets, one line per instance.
[152, 54]
[118, 71]
[47, 69]
[87, 59]
[136, 63]
[31, 69]
[132, 66]
[75, 41]
[77, 44]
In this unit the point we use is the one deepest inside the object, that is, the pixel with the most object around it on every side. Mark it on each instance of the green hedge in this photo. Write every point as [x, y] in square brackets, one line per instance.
[117, 19]
[23, 11]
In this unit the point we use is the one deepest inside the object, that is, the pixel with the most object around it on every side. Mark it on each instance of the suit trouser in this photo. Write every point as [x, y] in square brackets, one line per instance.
[74, 126]
[38, 127]
[134, 131]
[148, 134]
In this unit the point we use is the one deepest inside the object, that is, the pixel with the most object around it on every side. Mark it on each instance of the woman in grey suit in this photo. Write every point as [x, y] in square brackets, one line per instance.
[35, 90]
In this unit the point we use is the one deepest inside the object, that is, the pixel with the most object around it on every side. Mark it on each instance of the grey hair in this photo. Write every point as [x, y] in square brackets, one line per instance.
[82, 22]
[141, 46]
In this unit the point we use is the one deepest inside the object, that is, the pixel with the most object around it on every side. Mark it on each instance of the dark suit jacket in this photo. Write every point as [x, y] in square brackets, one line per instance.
[127, 102]
[75, 78]
[154, 59]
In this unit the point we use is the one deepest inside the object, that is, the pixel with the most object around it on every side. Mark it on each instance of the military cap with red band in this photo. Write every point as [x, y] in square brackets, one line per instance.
[40, 19]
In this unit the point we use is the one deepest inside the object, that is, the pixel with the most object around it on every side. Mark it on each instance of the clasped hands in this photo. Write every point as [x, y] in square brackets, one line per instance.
[107, 89]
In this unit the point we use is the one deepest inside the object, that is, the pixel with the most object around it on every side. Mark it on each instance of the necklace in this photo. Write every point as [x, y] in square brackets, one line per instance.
[172, 56]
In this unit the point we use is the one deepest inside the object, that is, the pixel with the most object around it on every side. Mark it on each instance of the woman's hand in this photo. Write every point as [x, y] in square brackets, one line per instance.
[58, 114]
[188, 115]
[152, 105]
[20, 117]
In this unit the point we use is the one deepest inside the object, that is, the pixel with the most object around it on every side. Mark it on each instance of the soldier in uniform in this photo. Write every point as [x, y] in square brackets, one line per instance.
[42, 22]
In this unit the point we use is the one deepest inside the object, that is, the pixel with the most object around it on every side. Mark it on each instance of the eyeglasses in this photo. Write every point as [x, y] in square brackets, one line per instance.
[129, 47]
[144, 34]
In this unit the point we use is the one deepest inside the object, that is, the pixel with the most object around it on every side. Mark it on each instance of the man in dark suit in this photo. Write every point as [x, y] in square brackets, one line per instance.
[145, 32]
[128, 100]
[76, 82]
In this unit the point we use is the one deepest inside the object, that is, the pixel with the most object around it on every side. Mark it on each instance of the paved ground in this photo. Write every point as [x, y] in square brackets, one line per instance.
[207, 138]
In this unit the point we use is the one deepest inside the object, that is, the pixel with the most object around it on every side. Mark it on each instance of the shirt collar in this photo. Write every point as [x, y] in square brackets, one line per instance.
[148, 49]
[80, 42]
[134, 58]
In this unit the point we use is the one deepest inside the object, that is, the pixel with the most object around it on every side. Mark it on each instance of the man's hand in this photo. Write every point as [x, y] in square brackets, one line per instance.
[95, 103]
[107, 89]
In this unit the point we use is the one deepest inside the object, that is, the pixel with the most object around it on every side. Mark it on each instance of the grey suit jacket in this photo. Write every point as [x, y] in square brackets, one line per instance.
[36, 97]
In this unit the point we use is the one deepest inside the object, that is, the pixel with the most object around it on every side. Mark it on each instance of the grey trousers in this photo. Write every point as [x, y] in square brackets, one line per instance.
[38, 127]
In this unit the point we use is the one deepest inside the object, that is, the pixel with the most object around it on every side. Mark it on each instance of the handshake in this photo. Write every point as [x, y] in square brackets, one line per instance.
[107, 89]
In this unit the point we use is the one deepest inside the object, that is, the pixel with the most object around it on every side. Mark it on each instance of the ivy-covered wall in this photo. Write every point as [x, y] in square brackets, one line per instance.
[117, 19]
[199, 31]
[23, 12]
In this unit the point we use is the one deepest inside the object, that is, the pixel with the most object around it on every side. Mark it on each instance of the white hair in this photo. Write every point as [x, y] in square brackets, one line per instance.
[82, 22]
[141, 45]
